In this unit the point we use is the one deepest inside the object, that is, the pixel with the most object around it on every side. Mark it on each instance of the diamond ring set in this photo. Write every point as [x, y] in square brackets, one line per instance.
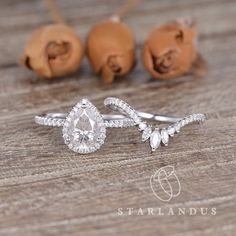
[84, 127]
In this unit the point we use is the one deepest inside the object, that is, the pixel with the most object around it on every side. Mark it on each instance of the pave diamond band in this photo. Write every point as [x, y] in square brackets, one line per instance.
[58, 120]
[84, 127]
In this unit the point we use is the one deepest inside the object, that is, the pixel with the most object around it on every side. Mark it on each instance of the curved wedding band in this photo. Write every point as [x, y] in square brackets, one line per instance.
[84, 128]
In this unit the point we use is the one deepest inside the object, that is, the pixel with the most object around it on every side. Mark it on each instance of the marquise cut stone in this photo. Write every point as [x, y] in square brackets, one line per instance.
[84, 130]
[164, 137]
[155, 139]
[146, 133]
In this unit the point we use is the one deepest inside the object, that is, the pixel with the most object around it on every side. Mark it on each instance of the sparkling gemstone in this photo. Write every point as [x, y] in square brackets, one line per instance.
[164, 136]
[183, 123]
[190, 119]
[142, 126]
[146, 133]
[177, 127]
[171, 131]
[155, 139]
[84, 130]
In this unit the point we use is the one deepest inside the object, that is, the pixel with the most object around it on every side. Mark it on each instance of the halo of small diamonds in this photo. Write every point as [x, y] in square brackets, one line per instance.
[84, 130]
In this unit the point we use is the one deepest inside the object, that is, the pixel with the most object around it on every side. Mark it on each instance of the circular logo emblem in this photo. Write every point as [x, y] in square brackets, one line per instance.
[165, 184]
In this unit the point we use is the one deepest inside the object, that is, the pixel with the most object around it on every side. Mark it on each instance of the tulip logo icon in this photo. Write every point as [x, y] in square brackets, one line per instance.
[165, 184]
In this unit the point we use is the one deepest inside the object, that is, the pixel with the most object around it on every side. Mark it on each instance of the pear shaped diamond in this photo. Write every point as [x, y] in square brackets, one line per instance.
[84, 130]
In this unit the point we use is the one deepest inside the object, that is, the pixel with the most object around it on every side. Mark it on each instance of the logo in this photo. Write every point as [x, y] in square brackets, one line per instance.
[165, 184]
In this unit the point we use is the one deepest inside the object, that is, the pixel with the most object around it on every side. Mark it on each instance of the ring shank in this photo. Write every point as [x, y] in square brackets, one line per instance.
[144, 115]
[156, 117]
[111, 120]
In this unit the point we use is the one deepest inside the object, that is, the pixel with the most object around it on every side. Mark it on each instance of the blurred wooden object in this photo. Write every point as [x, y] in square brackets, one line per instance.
[45, 189]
